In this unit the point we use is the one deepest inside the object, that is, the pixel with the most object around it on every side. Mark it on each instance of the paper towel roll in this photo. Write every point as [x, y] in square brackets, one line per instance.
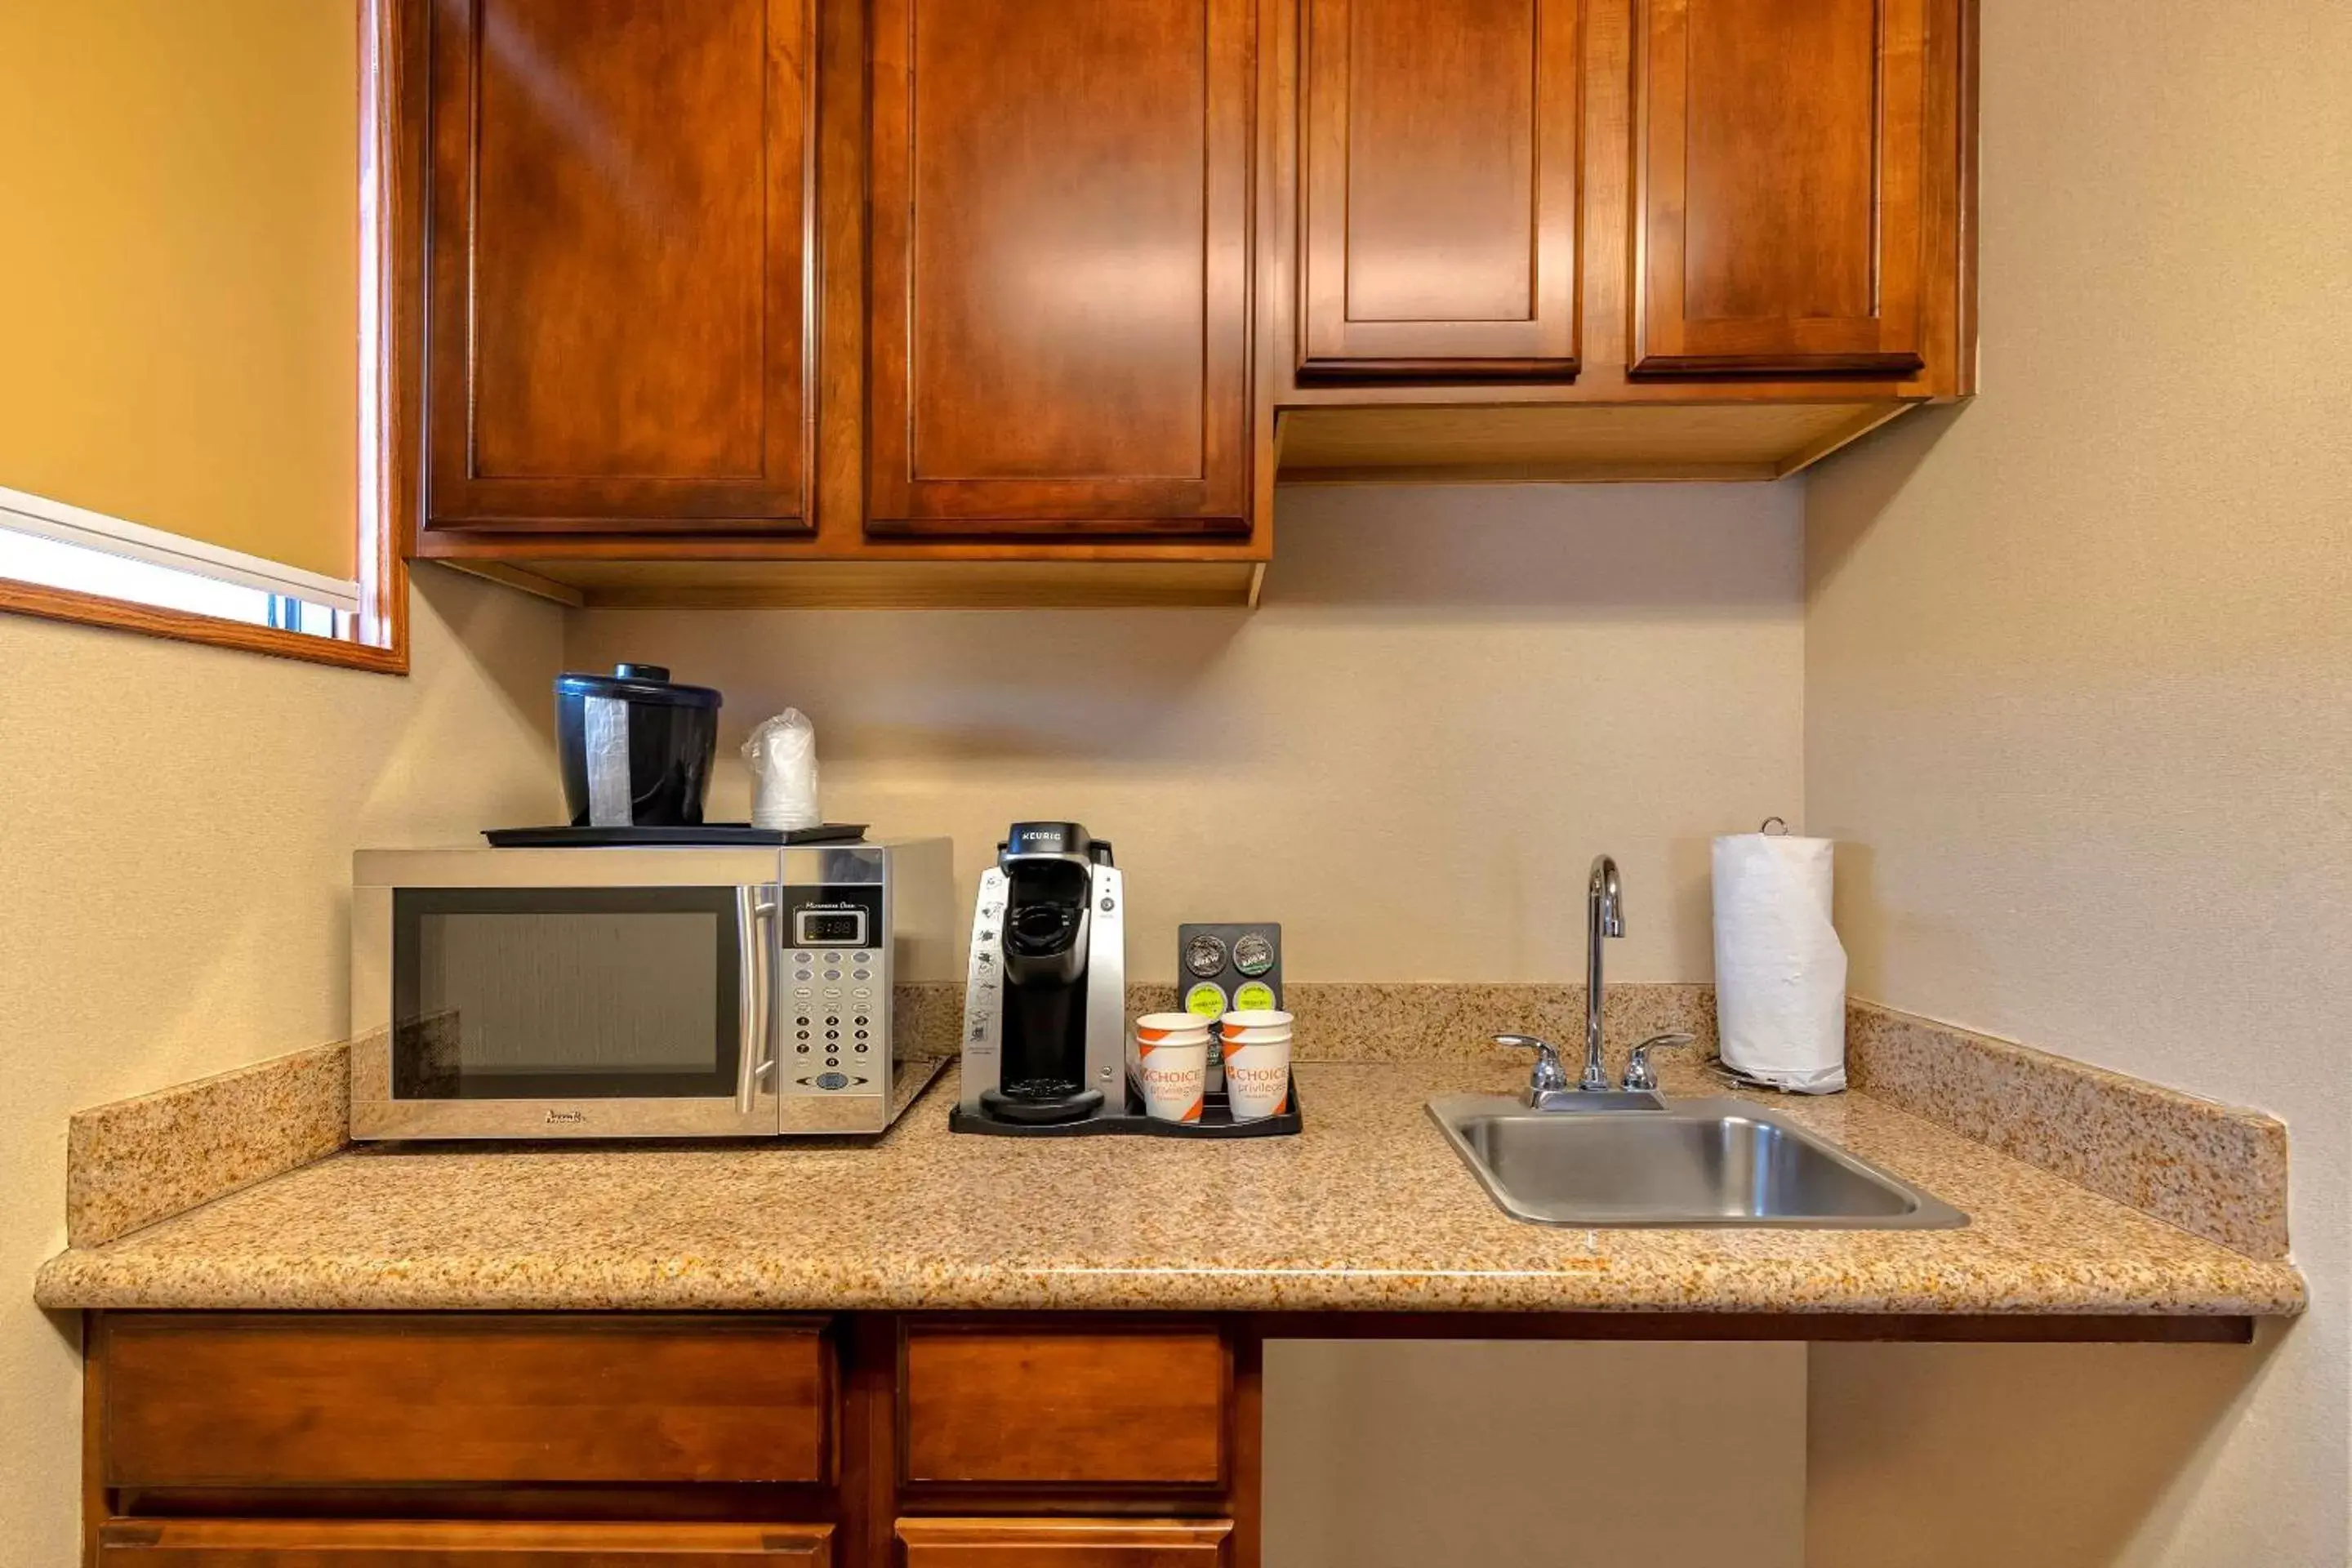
[1780, 968]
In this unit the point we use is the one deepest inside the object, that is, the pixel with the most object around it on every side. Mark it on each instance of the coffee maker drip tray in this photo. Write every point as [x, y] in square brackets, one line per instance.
[999, 1117]
[1041, 1102]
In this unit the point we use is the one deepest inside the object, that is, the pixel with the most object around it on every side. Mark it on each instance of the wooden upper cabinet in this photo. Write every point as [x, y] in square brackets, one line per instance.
[618, 270]
[1439, 188]
[1783, 184]
[1059, 267]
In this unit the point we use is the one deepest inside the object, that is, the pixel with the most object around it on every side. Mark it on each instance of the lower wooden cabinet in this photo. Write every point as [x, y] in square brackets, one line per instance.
[670, 1440]
[1065, 1542]
[357, 1399]
[347, 1544]
[1144, 1406]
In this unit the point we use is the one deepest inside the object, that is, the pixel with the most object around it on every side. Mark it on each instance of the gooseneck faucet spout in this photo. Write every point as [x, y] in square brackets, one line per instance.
[1604, 917]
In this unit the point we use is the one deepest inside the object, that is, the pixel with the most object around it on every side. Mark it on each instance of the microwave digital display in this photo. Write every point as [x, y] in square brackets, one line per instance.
[829, 928]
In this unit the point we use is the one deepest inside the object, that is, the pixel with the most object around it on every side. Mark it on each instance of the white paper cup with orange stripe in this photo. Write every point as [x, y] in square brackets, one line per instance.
[1173, 1052]
[1257, 1063]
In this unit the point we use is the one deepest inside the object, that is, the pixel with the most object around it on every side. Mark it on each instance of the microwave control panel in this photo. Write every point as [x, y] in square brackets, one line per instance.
[834, 1004]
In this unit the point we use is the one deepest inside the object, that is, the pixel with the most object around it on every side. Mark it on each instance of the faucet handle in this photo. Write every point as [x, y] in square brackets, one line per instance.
[1550, 1076]
[1639, 1074]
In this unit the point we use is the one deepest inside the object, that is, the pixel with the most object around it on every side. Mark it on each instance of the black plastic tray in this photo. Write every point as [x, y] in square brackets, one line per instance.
[1216, 1121]
[704, 833]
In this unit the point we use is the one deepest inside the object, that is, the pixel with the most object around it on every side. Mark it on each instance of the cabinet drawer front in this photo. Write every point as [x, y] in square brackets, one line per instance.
[1065, 1542]
[343, 1543]
[359, 1400]
[1142, 1407]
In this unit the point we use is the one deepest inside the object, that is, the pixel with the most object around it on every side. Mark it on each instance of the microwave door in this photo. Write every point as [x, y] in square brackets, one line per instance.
[586, 1012]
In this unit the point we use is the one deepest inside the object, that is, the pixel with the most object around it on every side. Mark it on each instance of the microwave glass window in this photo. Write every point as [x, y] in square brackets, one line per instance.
[627, 1001]
[571, 992]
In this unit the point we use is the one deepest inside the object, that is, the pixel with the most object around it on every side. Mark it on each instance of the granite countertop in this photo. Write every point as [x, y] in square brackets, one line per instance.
[1370, 1209]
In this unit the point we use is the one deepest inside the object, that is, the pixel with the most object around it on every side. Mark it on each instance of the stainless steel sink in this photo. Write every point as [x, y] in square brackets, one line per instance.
[1688, 1162]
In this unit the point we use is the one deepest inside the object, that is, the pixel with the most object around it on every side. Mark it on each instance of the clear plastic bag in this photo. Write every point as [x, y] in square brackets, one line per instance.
[783, 754]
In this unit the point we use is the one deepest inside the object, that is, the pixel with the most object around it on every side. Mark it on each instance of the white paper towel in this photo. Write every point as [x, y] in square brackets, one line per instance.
[1780, 968]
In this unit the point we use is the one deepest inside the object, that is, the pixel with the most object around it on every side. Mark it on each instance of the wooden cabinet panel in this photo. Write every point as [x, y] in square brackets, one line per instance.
[1440, 187]
[618, 265]
[985, 1404]
[1781, 181]
[333, 1400]
[1060, 267]
[308, 1544]
[1065, 1542]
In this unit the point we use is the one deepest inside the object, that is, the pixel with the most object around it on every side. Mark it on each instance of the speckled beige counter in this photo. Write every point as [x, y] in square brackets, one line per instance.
[133, 1162]
[1369, 1210]
[2218, 1170]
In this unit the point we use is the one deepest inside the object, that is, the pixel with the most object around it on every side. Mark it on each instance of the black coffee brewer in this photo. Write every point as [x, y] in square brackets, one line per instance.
[1044, 1017]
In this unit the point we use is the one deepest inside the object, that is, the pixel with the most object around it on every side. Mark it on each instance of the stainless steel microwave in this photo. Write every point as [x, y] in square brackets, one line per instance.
[642, 993]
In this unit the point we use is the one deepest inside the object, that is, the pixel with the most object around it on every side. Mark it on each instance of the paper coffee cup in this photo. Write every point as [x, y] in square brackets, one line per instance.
[1257, 1063]
[1174, 1079]
[1254, 1022]
[1172, 1060]
[1257, 1079]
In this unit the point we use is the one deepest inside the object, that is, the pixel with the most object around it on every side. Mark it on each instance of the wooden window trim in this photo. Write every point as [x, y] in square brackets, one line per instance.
[391, 172]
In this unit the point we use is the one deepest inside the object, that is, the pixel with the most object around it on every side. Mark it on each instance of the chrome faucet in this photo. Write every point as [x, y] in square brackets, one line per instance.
[1547, 1089]
[1604, 916]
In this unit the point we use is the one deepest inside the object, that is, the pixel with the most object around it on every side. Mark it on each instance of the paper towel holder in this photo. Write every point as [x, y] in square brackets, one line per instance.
[1766, 825]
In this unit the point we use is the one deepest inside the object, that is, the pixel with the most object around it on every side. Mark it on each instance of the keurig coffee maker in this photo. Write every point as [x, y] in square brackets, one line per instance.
[1044, 1012]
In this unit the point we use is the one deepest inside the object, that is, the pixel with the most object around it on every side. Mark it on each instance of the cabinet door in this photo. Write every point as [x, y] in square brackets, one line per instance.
[1065, 1542]
[618, 265]
[1060, 267]
[344, 1544]
[1440, 187]
[1780, 151]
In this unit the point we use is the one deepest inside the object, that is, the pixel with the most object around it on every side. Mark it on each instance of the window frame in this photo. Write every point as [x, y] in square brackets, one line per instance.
[391, 168]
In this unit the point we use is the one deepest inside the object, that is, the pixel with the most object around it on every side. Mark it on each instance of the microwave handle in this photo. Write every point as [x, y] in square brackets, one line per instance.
[753, 914]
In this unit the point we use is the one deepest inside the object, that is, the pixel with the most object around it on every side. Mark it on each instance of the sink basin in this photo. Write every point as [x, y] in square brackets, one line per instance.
[1693, 1162]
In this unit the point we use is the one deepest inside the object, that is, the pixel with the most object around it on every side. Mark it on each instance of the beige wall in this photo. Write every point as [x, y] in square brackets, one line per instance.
[1452, 699]
[2079, 703]
[176, 826]
[1529, 1454]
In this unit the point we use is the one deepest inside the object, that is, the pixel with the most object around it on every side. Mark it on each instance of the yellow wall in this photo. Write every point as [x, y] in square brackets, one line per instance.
[2079, 707]
[176, 825]
[178, 284]
[1453, 698]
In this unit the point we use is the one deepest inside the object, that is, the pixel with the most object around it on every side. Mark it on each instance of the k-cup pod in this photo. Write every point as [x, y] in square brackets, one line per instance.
[1257, 1075]
[1175, 1068]
[1254, 996]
